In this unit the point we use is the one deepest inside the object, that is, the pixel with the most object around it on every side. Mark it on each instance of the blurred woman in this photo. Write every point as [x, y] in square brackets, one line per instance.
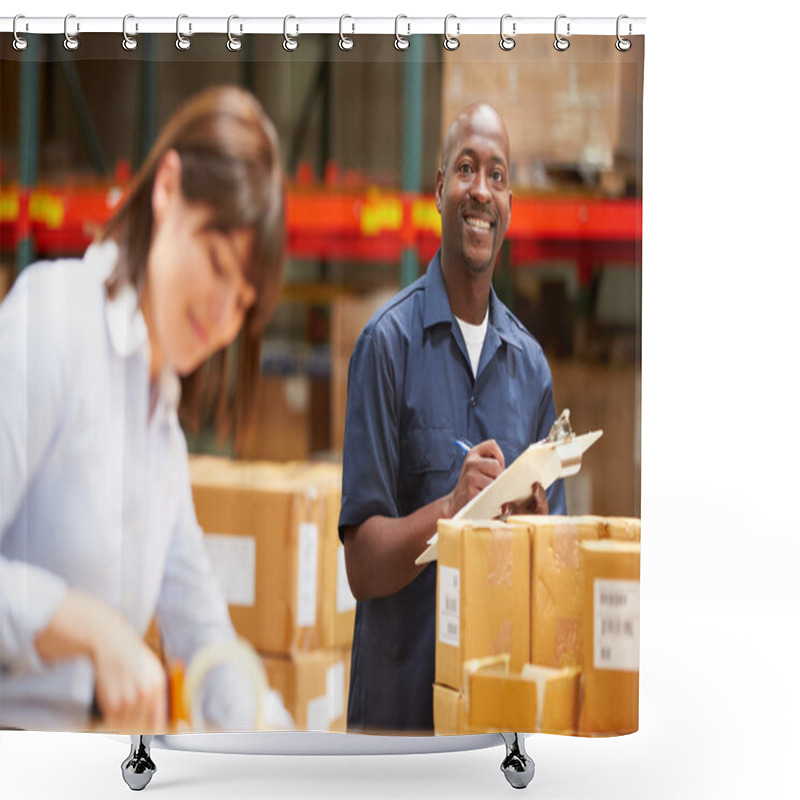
[97, 522]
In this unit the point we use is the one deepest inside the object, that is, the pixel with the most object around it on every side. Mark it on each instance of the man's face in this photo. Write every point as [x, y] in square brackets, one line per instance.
[472, 193]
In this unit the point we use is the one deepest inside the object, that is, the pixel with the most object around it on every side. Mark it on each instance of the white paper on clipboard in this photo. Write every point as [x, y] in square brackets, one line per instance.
[544, 462]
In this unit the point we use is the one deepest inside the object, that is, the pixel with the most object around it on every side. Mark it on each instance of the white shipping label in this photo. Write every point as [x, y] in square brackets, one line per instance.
[307, 550]
[344, 597]
[233, 561]
[449, 597]
[335, 688]
[616, 625]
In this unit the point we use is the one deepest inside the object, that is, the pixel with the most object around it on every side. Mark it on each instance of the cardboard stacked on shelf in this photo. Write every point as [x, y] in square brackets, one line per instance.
[586, 100]
[580, 675]
[272, 534]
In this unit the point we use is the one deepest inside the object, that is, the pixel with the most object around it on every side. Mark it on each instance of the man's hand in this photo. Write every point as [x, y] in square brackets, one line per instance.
[482, 464]
[130, 683]
[535, 504]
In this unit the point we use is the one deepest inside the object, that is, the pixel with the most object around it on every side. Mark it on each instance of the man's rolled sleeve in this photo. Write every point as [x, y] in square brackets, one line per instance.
[371, 450]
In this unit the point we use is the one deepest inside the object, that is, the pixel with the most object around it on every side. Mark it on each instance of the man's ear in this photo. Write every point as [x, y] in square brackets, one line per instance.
[166, 184]
[439, 189]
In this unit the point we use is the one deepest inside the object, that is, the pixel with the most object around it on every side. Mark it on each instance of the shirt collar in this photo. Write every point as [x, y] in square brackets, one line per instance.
[437, 306]
[127, 328]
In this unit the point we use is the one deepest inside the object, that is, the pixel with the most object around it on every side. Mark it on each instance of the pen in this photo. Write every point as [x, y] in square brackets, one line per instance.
[464, 445]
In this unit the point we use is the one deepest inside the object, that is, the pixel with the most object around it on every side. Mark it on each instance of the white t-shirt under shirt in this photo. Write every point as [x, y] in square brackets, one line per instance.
[473, 338]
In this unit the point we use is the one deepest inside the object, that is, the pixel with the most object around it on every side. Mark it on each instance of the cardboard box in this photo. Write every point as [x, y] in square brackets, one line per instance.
[539, 699]
[556, 586]
[6, 279]
[338, 609]
[263, 533]
[585, 99]
[449, 715]
[623, 529]
[349, 315]
[607, 397]
[281, 427]
[483, 596]
[337, 606]
[557, 699]
[611, 633]
[314, 687]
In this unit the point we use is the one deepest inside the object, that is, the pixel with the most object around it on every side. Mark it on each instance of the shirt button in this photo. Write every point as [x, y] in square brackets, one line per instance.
[426, 460]
[472, 401]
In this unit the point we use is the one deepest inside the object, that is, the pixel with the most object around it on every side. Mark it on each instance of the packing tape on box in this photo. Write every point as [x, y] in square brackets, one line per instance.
[236, 653]
[501, 557]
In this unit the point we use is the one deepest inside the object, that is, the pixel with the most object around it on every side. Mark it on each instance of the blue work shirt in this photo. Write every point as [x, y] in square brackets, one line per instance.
[411, 395]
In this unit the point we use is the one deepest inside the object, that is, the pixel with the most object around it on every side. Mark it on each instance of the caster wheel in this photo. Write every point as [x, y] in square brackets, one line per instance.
[138, 768]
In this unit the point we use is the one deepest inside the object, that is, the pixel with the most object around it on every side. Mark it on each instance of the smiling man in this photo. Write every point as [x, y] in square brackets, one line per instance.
[443, 363]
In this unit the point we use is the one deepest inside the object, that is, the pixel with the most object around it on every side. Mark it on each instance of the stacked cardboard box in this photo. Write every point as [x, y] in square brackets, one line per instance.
[564, 587]
[272, 533]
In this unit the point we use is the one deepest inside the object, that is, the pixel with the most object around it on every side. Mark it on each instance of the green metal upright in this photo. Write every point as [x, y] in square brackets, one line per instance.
[29, 88]
[413, 106]
[147, 93]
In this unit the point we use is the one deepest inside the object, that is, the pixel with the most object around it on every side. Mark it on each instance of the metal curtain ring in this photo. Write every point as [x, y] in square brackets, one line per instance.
[289, 42]
[560, 43]
[129, 42]
[182, 42]
[506, 42]
[19, 42]
[71, 42]
[234, 42]
[345, 42]
[400, 42]
[623, 45]
[451, 42]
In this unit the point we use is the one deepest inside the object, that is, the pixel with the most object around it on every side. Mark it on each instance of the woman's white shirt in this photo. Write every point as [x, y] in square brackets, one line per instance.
[94, 488]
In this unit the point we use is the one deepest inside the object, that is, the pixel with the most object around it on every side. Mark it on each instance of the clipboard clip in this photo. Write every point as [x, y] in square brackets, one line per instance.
[561, 429]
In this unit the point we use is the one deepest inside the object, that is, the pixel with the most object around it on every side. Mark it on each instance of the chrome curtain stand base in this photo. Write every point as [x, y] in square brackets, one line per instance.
[517, 766]
[138, 768]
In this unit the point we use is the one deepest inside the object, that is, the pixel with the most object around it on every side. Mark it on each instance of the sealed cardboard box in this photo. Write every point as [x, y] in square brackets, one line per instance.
[483, 596]
[539, 699]
[262, 531]
[558, 693]
[337, 606]
[623, 529]
[314, 687]
[611, 633]
[556, 585]
[496, 700]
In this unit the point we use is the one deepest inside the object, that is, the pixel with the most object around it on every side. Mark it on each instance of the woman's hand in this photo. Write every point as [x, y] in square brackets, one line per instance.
[130, 683]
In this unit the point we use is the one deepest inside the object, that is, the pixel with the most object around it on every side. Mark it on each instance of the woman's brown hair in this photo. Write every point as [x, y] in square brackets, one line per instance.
[230, 164]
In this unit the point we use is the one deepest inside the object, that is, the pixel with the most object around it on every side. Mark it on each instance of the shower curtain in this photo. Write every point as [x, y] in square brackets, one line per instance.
[226, 565]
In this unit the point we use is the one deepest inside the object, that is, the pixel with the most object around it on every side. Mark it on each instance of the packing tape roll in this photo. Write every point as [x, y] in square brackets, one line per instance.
[237, 653]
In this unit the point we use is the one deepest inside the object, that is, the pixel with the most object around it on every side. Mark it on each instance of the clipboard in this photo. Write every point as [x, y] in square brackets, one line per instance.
[545, 462]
